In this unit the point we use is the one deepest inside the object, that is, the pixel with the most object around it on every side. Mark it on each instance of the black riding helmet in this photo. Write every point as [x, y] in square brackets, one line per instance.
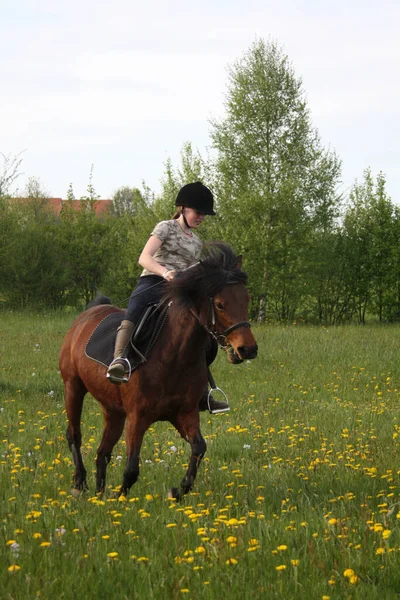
[197, 196]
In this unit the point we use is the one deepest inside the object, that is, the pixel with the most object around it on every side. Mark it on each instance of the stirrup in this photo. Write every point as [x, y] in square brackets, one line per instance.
[218, 410]
[128, 371]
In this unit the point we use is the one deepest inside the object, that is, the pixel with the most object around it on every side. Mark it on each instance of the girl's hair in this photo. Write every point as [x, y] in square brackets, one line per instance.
[178, 212]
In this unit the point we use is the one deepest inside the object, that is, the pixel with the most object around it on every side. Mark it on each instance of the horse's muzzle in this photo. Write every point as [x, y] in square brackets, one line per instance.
[242, 353]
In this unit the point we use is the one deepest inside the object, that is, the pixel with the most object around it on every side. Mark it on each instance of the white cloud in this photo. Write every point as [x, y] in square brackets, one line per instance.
[88, 81]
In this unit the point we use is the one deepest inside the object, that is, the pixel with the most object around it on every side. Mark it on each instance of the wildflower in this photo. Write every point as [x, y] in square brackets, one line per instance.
[348, 573]
[171, 525]
[386, 534]
[380, 550]
[142, 559]
[185, 591]
[14, 568]
[10, 542]
[353, 579]
[231, 539]
[45, 544]
[280, 567]
[231, 561]
[112, 554]
[295, 562]
[200, 550]
[282, 548]
[332, 521]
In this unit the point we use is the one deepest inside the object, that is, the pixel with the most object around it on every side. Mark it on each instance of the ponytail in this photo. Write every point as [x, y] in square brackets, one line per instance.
[179, 211]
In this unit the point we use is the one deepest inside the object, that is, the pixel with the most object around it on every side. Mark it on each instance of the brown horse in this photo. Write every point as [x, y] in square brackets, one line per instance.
[207, 299]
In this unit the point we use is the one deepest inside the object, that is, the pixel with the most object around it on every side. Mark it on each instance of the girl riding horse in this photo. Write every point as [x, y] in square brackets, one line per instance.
[170, 249]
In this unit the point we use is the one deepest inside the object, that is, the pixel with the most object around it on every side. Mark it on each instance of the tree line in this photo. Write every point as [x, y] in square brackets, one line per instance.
[311, 253]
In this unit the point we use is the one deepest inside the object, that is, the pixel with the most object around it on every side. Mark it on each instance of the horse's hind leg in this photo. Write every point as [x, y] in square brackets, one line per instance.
[74, 392]
[113, 427]
[188, 426]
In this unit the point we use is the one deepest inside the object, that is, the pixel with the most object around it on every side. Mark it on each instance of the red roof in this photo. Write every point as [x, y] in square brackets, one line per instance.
[102, 207]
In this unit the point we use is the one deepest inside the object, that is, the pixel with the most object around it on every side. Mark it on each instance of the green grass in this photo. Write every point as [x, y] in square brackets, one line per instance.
[300, 482]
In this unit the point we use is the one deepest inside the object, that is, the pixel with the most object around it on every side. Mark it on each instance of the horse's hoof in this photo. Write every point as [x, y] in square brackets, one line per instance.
[173, 494]
[75, 493]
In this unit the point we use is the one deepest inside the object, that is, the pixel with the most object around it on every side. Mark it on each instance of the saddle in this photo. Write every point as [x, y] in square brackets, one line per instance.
[100, 345]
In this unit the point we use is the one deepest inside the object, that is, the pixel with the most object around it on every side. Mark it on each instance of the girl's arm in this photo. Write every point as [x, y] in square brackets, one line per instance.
[147, 262]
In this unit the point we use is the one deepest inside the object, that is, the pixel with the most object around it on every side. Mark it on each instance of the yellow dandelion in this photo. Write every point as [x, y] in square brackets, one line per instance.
[37, 535]
[171, 525]
[325, 597]
[253, 542]
[231, 561]
[280, 567]
[200, 550]
[386, 534]
[282, 547]
[332, 521]
[45, 544]
[184, 591]
[13, 568]
[10, 542]
[149, 497]
[231, 539]
[105, 537]
[112, 554]
[142, 559]
[353, 579]
[348, 573]
[295, 562]
[380, 550]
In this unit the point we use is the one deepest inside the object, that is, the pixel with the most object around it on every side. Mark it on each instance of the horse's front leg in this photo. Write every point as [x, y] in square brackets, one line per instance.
[135, 431]
[188, 425]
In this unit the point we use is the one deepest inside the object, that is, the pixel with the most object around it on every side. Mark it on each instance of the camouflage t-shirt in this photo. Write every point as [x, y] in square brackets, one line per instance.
[177, 250]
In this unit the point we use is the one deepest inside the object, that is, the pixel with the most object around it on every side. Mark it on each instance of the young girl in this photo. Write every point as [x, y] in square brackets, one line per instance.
[171, 247]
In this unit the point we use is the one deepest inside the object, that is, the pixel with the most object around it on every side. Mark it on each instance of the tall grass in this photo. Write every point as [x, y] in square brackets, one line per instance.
[298, 495]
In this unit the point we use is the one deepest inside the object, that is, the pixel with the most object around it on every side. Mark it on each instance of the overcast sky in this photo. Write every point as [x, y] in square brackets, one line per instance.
[123, 85]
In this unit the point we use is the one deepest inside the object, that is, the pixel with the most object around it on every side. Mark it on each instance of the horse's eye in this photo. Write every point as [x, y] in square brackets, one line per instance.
[219, 306]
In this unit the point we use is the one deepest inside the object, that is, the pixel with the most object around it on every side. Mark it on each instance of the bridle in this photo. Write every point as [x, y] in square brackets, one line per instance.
[211, 326]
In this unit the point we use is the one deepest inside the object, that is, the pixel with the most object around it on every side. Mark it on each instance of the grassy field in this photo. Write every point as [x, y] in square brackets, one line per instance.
[298, 496]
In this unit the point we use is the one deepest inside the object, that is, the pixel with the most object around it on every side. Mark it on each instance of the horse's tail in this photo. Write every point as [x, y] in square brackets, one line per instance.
[99, 299]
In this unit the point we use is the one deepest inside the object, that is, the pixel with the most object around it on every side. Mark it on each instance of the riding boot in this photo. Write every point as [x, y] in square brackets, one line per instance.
[207, 402]
[119, 367]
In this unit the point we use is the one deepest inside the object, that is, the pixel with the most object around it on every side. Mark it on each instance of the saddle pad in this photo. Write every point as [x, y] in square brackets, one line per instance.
[100, 346]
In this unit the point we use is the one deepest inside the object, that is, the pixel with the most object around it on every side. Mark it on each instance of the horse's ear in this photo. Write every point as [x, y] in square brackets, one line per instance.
[239, 262]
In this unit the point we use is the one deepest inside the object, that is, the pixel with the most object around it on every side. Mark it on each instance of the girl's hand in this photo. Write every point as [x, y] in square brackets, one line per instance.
[169, 275]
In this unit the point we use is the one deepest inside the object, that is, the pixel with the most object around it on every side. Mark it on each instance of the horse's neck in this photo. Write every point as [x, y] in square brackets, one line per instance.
[185, 332]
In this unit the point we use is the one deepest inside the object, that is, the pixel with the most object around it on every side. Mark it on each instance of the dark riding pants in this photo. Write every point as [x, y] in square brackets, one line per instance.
[149, 290]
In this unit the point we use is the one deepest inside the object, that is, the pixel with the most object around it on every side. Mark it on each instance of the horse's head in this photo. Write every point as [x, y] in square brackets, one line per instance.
[215, 287]
[230, 307]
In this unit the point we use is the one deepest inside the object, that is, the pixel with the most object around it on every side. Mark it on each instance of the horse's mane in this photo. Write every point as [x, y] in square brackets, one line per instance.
[216, 269]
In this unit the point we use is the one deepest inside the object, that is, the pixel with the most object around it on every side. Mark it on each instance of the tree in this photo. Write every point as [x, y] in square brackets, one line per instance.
[127, 201]
[9, 172]
[272, 175]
